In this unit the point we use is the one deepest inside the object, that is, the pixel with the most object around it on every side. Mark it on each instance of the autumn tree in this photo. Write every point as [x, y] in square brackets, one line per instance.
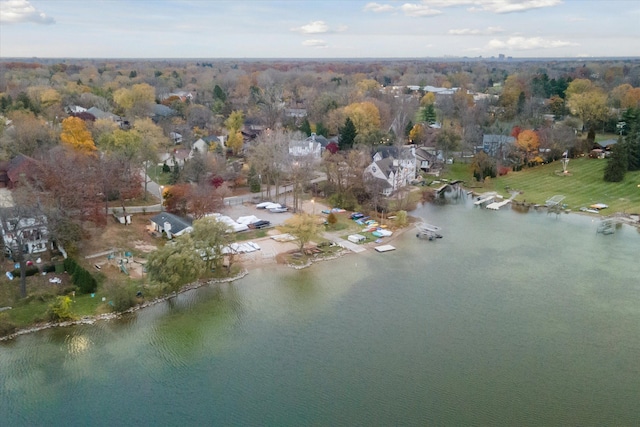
[364, 115]
[136, 101]
[234, 124]
[483, 166]
[588, 102]
[528, 142]
[152, 138]
[268, 156]
[27, 135]
[76, 135]
[303, 227]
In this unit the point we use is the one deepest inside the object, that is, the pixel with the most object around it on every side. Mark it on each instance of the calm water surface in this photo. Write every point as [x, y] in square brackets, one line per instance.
[510, 319]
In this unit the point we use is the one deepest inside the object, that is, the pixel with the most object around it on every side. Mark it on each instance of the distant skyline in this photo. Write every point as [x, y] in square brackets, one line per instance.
[319, 28]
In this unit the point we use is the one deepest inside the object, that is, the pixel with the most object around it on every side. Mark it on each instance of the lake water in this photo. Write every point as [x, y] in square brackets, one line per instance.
[510, 319]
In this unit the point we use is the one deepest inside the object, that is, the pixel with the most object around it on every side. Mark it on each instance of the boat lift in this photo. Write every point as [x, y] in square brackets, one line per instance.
[428, 231]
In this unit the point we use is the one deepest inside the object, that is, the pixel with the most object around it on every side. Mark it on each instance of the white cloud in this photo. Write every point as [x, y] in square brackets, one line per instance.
[473, 32]
[495, 6]
[16, 11]
[315, 27]
[418, 10]
[377, 7]
[523, 43]
[315, 43]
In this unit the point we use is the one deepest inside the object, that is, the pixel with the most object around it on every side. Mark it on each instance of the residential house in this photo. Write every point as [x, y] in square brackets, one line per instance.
[425, 159]
[394, 167]
[497, 145]
[29, 234]
[160, 112]
[171, 225]
[606, 145]
[312, 146]
[175, 157]
[74, 109]
[14, 170]
[175, 137]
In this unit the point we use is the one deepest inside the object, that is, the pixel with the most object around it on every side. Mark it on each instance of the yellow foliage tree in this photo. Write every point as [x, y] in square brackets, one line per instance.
[136, 101]
[429, 98]
[235, 142]
[364, 115]
[76, 135]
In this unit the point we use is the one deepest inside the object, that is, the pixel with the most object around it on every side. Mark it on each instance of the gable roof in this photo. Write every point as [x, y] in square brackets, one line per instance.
[18, 166]
[496, 139]
[606, 143]
[176, 223]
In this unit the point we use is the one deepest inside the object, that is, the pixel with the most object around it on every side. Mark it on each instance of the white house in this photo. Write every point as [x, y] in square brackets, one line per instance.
[394, 166]
[312, 146]
[29, 233]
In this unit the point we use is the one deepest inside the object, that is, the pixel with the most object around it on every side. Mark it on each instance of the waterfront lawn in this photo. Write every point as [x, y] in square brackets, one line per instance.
[583, 186]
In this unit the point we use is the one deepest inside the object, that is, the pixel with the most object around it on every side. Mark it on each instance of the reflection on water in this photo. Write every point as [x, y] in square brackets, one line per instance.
[509, 319]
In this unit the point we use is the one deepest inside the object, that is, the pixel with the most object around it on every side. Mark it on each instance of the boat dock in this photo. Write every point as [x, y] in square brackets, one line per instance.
[497, 205]
[485, 198]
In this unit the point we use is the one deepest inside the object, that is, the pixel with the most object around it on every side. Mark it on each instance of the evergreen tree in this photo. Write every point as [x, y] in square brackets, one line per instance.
[321, 129]
[306, 127]
[408, 128]
[617, 164]
[632, 141]
[348, 135]
[428, 114]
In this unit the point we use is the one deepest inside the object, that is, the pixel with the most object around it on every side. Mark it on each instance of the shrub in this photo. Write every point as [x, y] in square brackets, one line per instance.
[503, 170]
[332, 219]
[401, 218]
[30, 271]
[85, 282]
[49, 268]
[70, 265]
[60, 309]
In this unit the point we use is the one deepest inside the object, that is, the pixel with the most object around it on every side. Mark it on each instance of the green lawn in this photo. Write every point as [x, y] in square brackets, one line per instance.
[583, 185]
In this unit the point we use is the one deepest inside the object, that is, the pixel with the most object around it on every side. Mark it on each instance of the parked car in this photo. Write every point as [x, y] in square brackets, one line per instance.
[260, 224]
[278, 210]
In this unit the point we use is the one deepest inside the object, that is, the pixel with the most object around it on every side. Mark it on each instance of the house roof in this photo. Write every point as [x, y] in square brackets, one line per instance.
[607, 143]
[19, 165]
[495, 139]
[176, 223]
[99, 114]
[163, 111]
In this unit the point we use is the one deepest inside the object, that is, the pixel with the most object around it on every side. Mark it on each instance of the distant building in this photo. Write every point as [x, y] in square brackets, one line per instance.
[497, 145]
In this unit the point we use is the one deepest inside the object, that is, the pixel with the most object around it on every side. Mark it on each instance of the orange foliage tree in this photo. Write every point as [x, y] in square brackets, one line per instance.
[528, 142]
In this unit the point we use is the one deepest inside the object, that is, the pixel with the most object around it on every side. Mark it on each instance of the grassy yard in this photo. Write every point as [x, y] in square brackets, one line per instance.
[583, 185]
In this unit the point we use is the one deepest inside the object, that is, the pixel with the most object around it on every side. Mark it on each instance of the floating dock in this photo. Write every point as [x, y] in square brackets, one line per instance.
[385, 248]
[497, 205]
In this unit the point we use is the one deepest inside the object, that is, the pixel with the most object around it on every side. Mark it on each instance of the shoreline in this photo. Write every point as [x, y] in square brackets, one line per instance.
[248, 265]
[90, 320]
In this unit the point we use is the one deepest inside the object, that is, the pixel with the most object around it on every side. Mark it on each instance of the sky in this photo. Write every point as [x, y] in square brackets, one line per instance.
[318, 28]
